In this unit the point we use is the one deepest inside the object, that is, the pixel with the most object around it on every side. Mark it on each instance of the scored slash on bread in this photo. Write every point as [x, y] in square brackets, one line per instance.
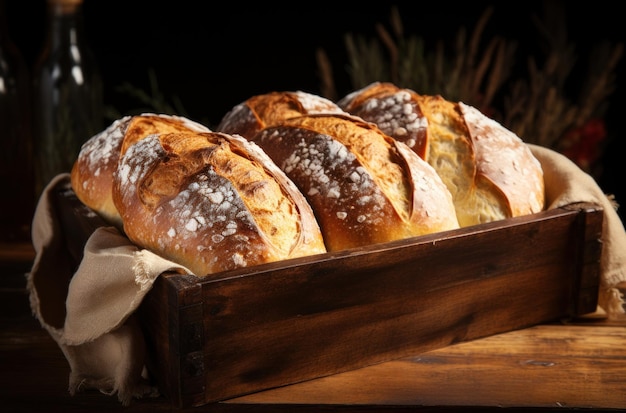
[363, 186]
[270, 109]
[396, 112]
[489, 171]
[92, 172]
[290, 174]
[211, 202]
[506, 163]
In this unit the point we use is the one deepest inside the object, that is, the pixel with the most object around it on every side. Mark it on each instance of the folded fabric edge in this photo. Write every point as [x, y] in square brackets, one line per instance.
[566, 183]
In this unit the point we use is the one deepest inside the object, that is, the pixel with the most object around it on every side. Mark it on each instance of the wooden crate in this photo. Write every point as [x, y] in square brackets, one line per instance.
[243, 331]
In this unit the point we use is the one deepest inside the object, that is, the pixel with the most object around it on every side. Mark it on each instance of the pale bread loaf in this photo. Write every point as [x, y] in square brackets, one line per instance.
[489, 171]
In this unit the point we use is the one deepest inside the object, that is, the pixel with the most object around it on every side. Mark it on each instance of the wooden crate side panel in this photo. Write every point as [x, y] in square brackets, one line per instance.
[190, 336]
[171, 315]
[155, 320]
[292, 324]
[299, 349]
[351, 280]
[585, 294]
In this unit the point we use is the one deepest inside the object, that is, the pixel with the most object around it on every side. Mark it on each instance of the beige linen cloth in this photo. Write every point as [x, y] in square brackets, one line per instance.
[90, 313]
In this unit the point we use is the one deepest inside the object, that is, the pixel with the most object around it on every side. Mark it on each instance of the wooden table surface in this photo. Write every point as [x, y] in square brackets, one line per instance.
[577, 365]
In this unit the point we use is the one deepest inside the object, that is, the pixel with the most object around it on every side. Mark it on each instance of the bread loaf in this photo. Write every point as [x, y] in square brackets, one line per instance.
[270, 109]
[489, 170]
[211, 202]
[92, 172]
[363, 186]
[306, 176]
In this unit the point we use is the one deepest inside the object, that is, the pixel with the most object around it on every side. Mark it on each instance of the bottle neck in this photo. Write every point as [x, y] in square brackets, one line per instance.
[64, 6]
[65, 23]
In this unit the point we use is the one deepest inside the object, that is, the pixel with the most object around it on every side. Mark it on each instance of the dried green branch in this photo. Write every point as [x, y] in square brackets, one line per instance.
[365, 60]
[536, 106]
[404, 61]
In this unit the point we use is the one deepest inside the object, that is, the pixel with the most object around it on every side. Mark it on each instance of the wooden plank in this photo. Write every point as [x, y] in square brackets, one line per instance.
[553, 366]
[585, 291]
[171, 315]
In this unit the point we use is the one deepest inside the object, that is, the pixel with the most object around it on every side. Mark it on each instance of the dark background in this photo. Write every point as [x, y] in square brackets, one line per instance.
[211, 56]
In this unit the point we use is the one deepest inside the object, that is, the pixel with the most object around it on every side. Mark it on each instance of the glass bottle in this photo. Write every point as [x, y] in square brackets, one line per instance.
[67, 101]
[16, 166]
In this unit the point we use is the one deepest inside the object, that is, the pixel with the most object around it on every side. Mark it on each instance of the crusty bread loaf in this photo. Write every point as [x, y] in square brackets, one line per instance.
[506, 162]
[306, 176]
[92, 173]
[270, 109]
[489, 170]
[211, 202]
[363, 186]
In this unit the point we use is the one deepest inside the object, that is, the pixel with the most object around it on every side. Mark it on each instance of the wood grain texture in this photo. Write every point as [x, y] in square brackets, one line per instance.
[554, 366]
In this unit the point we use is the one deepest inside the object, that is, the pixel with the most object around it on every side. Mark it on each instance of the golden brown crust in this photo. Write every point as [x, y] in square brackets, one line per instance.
[92, 172]
[452, 154]
[395, 111]
[488, 169]
[506, 162]
[211, 202]
[305, 176]
[364, 187]
[270, 109]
